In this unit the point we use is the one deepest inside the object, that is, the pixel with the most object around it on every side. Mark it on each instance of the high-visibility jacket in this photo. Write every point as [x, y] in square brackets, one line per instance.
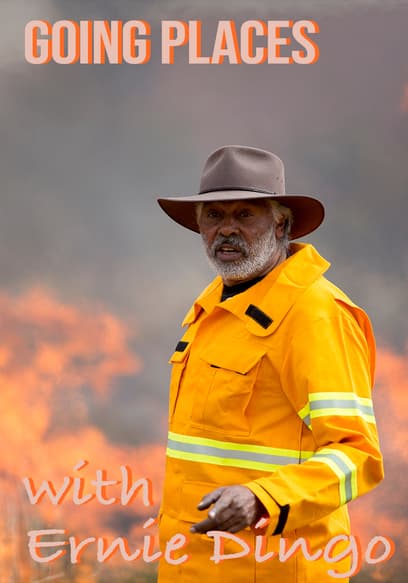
[271, 389]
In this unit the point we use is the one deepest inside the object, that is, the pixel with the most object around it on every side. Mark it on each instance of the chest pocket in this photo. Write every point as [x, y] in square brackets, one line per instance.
[224, 389]
[178, 360]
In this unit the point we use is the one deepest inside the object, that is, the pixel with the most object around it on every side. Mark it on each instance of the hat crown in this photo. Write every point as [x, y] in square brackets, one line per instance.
[243, 168]
[243, 173]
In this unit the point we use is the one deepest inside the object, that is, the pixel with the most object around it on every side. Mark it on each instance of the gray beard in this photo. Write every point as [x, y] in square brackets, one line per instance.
[255, 260]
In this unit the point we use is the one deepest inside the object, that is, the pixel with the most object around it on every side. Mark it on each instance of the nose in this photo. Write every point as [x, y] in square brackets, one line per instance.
[229, 226]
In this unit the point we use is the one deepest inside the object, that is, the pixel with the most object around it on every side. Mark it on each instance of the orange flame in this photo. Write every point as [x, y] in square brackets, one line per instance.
[49, 351]
[385, 510]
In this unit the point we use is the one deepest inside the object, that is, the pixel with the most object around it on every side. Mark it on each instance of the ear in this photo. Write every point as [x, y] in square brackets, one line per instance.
[280, 230]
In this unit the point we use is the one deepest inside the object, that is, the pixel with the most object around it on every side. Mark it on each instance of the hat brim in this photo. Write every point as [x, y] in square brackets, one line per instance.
[308, 212]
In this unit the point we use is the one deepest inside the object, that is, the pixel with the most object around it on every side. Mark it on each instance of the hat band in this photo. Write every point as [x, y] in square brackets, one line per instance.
[249, 189]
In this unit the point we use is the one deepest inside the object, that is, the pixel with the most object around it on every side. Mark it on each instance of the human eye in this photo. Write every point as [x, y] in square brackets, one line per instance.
[245, 213]
[212, 213]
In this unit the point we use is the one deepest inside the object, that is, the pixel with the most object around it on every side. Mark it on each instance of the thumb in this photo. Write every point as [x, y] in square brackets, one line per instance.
[210, 498]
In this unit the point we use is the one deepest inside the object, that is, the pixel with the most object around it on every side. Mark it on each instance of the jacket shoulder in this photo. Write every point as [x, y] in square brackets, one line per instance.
[323, 299]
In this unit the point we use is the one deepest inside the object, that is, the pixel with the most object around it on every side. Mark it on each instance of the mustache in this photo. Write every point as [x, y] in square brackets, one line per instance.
[234, 241]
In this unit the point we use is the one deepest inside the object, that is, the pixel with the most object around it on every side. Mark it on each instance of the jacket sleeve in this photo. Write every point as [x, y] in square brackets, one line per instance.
[327, 375]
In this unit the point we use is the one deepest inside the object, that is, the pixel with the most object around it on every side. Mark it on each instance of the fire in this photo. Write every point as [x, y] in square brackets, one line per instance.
[385, 510]
[49, 352]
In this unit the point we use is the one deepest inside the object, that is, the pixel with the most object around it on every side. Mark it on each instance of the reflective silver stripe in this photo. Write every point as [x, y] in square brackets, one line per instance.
[344, 468]
[344, 404]
[304, 414]
[230, 453]
[306, 419]
[225, 453]
[337, 403]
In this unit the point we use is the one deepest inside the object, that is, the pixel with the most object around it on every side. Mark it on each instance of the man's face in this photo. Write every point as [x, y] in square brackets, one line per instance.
[240, 238]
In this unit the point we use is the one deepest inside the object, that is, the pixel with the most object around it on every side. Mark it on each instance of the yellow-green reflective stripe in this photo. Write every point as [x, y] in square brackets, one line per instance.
[227, 453]
[345, 404]
[343, 413]
[179, 437]
[208, 459]
[339, 395]
[304, 414]
[344, 469]
[329, 462]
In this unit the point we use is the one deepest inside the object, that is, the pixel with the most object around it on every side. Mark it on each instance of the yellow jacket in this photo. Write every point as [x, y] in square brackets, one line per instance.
[271, 389]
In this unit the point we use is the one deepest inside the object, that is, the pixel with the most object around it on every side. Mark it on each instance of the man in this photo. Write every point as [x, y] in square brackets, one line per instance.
[270, 398]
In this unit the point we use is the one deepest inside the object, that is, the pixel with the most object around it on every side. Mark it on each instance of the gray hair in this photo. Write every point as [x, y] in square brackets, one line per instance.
[282, 214]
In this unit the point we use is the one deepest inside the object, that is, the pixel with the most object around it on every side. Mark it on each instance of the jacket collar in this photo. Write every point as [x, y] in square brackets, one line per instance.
[272, 297]
[206, 300]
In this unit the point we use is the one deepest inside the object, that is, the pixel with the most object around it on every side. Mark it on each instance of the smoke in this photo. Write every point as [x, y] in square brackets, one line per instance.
[404, 100]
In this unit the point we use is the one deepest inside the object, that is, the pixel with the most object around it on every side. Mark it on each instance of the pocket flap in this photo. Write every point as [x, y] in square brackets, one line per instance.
[238, 358]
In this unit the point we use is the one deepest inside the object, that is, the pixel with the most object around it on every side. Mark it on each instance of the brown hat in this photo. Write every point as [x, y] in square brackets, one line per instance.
[240, 172]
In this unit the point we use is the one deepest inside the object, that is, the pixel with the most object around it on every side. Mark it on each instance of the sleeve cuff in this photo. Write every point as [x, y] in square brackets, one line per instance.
[277, 514]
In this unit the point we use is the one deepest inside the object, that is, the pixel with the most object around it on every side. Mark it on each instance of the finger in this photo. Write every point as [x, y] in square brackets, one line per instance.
[210, 498]
[204, 526]
[232, 525]
[222, 514]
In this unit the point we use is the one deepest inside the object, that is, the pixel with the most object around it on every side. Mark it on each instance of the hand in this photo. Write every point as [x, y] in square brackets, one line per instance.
[235, 508]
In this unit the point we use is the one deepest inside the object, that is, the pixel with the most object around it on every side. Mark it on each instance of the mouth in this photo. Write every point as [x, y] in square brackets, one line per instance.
[226, 252]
